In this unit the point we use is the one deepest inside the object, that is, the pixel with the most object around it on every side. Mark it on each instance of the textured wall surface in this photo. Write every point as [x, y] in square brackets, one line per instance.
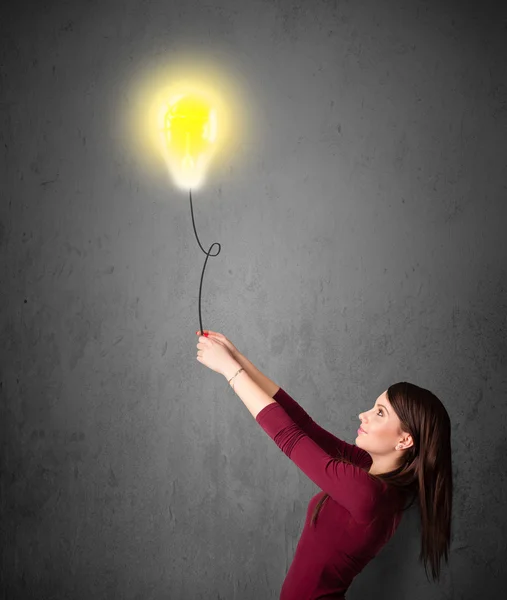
[363, 242]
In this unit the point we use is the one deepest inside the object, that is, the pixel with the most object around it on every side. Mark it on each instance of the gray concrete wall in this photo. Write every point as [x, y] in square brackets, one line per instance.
[363, 232]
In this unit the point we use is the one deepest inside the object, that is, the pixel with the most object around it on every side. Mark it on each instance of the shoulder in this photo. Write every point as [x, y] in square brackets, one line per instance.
[362, 458]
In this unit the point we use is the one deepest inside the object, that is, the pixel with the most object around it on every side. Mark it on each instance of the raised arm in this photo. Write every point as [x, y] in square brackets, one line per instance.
[326, 440]
[347, 484]
[260, 379]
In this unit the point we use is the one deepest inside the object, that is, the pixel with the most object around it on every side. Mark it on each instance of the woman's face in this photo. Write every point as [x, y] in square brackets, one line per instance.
[382, 429]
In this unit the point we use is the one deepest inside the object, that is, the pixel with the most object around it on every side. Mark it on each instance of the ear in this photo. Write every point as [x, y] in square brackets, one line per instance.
[407, 442]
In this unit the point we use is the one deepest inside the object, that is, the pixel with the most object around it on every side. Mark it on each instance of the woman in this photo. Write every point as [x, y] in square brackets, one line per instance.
[402, 452]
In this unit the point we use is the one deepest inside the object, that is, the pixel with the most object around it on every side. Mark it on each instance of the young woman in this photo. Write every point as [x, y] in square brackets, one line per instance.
[402, 453]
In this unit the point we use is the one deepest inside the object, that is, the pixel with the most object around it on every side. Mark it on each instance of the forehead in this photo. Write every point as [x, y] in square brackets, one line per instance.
[383, 399]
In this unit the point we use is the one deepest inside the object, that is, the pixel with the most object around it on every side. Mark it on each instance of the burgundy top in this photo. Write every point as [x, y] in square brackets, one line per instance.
[356, 520]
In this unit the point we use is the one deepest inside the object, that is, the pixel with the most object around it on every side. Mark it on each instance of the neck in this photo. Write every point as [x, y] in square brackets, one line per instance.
[382, 465]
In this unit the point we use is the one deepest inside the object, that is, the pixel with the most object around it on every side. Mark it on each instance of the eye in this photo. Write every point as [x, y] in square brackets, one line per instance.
[381, 411]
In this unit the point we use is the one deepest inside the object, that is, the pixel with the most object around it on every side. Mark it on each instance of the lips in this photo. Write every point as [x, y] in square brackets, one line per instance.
[361, 430]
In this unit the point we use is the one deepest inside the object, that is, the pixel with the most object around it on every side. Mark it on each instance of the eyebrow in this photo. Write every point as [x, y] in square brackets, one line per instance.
[384, 407]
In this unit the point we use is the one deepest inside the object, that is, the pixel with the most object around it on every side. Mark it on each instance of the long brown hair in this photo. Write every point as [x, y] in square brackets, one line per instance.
[425, 469]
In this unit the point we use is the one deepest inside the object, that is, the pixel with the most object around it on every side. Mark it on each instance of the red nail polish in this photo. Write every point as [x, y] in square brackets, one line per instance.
[205, 335]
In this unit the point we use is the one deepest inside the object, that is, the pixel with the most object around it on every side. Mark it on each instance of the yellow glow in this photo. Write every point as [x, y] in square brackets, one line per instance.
[191, 115]
[187, 124]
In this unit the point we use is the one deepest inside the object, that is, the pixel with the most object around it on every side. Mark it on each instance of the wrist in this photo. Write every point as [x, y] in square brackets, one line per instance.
[231, 368]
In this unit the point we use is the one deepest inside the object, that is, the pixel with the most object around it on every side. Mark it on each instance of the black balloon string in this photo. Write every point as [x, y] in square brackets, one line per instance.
[207, 256]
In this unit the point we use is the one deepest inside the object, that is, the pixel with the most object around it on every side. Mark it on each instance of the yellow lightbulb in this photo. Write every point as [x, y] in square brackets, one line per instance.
[188, 128]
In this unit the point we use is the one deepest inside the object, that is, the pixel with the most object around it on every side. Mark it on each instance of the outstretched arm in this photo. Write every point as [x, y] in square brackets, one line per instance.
[269, 389]
[252, 395]
[265, 383]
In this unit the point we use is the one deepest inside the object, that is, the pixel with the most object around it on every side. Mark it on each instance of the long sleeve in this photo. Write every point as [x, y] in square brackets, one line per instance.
[326, 440]
[347, 484]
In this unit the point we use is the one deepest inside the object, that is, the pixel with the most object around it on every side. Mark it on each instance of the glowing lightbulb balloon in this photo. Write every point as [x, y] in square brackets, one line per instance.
[189, 133]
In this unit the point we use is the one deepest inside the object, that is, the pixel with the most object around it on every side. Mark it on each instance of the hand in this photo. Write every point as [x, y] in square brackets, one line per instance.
[221, 338]
[214, 354]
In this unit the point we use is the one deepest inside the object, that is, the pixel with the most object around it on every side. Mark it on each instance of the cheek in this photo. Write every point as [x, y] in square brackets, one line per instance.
[378, 436]
[384, 437]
